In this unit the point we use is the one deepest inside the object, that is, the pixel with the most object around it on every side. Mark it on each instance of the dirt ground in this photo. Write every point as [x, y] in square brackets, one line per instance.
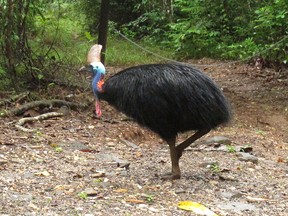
[80, 165]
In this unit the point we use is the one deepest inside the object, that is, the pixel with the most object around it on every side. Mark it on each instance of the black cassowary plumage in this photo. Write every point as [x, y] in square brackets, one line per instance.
[166, 98]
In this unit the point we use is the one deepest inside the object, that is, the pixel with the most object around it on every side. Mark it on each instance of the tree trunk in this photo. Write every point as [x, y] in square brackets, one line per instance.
[103, 27]
[8, 40]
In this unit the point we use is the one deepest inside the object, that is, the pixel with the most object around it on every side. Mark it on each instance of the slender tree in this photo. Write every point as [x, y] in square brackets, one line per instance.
[103, 27]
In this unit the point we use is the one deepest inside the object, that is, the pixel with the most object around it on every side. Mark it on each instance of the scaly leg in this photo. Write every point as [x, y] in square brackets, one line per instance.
[180, 148]
[176, 151]
[176, 173]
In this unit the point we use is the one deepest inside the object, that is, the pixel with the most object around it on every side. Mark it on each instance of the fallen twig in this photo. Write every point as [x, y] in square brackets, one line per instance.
[23, 121]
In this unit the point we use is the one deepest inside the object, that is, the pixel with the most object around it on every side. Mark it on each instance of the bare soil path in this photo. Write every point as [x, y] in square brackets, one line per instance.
[79, 165]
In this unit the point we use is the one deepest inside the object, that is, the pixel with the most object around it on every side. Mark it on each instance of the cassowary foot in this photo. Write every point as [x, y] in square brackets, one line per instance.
[170, 176]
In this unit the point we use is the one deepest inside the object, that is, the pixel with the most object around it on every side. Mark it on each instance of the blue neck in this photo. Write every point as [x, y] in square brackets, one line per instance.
[98, 71]
[96, 79]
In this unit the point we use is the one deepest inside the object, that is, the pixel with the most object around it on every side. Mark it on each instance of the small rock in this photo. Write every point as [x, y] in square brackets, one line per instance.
[154, 210]
[33, 206]
[90, 192]
[142, 205]
[208, 164]
[124, 165]
[167, 184]
[218, 140]
[225, 177]
[246, 149]
[105, 180]
[231, 195]
[110, 144]
[74, 145]
[130, 144]
[180, 191]
[98, 174]
[251, 169]
[42, 173]
[21, 197]
[237, 206]
[139, 186]
[247, 157]
[3, 161]
[108, 157]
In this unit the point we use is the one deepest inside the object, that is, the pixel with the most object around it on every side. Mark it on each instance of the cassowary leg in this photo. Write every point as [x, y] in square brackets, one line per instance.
[174, 159]
[180, 148]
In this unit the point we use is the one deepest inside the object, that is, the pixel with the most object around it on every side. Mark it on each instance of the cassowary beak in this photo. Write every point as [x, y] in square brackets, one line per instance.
[84, 69]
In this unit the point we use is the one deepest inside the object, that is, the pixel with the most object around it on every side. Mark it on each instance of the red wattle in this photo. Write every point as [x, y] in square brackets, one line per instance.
[98, 109]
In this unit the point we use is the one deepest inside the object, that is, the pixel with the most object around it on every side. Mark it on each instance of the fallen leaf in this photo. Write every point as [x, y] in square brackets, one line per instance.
[61, 187]
[98, 175]
[54, 145]
[255, 199]
[88, 150]
[135, 201]
[33, 206]
[36, 147]
[138, 154]
[197, 208]
[43, 173]
[121, 190]
[280, 160]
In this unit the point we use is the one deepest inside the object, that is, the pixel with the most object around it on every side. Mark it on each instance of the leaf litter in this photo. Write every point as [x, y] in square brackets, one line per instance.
[79, 165]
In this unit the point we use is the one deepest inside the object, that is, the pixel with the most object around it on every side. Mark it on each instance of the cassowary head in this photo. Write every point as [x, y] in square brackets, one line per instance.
[98, 70]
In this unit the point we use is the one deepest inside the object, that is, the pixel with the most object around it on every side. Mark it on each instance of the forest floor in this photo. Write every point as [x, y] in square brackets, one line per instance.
[80, 165]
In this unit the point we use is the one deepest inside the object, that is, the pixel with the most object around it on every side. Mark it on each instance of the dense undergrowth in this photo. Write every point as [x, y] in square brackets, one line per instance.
[41, 40]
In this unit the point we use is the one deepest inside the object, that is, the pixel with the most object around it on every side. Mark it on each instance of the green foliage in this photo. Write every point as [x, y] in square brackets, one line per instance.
[215, 168]
[231, 149]
[60, 27]
[241, 50]
[89, 10]
[260, 132]
[270, 26]
[82, 195]
[231, 29]
[98, 180]
[39, 37]
[46, 37]
[210, 28]
[150, 198]
[58, 149]
[121, 52]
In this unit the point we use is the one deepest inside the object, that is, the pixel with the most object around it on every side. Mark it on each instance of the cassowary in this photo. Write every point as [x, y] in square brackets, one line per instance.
[166, 98]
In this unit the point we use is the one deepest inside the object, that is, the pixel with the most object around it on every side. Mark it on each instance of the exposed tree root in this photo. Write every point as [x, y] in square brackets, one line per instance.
[43, 103]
